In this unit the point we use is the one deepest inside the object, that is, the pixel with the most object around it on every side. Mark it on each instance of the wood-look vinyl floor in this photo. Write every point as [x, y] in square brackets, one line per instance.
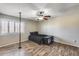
[30, 48]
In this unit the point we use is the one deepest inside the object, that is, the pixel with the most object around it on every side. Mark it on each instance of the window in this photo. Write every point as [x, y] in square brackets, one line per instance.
[11, 27]
[22, 27]
[4, 27]
[17, 27]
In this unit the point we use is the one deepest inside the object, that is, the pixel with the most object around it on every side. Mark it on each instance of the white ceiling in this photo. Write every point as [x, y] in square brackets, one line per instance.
[29, 9]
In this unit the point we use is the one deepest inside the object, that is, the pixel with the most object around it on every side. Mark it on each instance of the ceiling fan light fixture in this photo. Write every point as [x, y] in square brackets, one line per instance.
[41, 18]
[40, 13]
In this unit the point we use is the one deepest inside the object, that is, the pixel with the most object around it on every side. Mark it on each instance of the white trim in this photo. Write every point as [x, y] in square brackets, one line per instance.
[11, 44]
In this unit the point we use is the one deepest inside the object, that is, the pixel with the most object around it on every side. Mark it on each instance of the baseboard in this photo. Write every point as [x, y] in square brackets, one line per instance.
[11, 44]
[67, 44]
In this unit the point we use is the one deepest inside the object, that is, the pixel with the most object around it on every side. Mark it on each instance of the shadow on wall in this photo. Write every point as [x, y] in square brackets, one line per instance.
[61, 40]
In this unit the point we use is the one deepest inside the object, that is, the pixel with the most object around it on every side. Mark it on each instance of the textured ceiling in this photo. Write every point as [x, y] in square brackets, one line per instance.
[29, 9]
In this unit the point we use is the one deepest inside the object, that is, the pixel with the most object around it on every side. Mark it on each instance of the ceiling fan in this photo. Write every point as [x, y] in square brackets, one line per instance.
[42, 15]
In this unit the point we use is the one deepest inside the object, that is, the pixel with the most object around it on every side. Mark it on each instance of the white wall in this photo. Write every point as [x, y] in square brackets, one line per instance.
[13, 38]
[65, 28]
